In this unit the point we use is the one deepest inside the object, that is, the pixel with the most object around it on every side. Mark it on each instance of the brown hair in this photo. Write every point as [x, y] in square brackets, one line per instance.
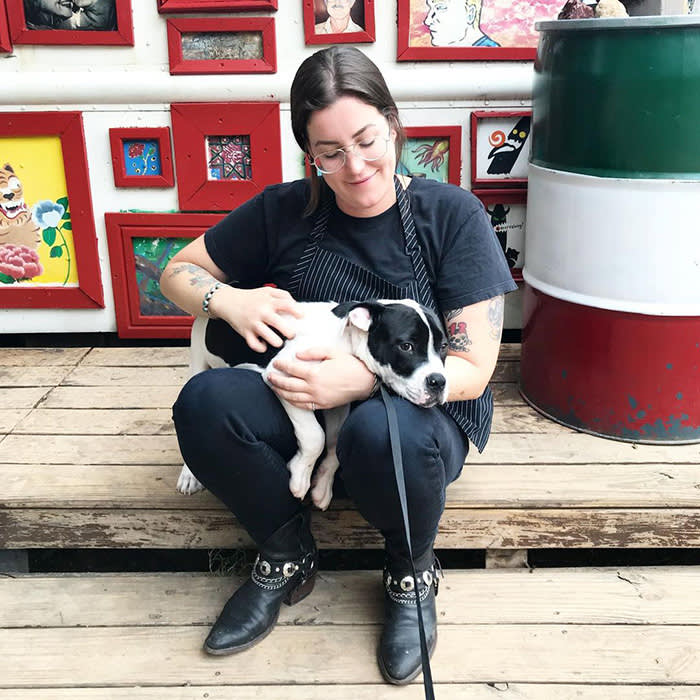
[324, 77]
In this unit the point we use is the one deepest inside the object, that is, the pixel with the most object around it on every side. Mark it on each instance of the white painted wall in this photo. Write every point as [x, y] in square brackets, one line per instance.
[120, 86]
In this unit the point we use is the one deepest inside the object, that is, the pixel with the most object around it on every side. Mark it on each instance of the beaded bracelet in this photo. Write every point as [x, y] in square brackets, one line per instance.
[208, 296]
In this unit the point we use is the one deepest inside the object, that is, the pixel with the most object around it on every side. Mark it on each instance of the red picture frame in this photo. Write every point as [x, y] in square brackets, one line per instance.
[478, 118]
[215, 5]
[68, 127]
[122, 229]
[415, 40]
[122, 177]
[5, 42]
[314, 13]
[194, 123]
[453, 135]
[510, 234]
[181, 26]
[122, 35]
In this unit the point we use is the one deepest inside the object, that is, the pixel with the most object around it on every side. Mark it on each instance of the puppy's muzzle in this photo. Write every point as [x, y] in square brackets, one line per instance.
[435, 384]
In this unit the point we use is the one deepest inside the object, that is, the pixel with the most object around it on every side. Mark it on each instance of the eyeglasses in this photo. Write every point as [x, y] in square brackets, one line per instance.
[371, 147]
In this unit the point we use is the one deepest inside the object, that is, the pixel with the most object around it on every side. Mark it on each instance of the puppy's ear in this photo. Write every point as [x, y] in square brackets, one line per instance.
[360, 317]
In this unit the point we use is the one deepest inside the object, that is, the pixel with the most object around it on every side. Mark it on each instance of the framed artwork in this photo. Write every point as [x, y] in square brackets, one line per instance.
[5, 43]
[99, 22]
[141, 157]
[432, 152]
[48, 247]
[140, 246]
[471, 30]
[507, 211]
[338, 21]
[215, 5]
[500, 148]
[221, 45]
[225, 152]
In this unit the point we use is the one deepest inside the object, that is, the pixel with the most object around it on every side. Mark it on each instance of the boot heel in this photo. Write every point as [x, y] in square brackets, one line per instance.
[301, 591]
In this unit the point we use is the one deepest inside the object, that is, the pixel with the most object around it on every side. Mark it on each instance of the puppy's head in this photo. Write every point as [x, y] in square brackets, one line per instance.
[403, 343]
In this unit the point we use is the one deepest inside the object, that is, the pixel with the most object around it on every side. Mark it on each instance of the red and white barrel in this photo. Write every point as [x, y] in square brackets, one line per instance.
[611, 321]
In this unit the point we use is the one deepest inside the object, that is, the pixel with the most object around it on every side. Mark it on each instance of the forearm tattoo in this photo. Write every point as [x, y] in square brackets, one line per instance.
[495, 314]
[199, 277]
[457, 336]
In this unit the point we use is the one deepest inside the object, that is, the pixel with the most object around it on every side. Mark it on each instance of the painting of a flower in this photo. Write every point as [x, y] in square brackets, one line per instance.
[18, 263]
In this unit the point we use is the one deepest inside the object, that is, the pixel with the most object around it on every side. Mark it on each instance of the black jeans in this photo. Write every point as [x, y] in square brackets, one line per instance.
[237, 439]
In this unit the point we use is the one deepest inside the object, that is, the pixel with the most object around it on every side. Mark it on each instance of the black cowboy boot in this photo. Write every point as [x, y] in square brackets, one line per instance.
[284, 572]
[399, 653]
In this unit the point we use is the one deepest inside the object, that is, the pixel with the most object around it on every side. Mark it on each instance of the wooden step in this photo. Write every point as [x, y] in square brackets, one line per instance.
[549, 633]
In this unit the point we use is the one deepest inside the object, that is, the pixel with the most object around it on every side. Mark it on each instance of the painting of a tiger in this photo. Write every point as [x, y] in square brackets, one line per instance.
[17, 226]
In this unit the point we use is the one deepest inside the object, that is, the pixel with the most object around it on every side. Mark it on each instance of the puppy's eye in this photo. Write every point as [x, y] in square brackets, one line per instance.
[406, 347]
[444, 346]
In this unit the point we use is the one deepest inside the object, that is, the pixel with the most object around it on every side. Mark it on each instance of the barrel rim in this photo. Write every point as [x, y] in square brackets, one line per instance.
[596, 23]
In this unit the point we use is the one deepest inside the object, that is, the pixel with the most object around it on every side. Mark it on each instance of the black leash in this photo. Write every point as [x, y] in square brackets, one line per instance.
[395, 440]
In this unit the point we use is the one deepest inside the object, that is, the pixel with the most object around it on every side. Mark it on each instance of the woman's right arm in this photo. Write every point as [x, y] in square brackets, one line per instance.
[252, 313]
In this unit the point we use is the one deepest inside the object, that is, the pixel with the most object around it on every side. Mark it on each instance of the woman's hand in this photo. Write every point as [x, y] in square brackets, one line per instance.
[255, 314]
[321, 378]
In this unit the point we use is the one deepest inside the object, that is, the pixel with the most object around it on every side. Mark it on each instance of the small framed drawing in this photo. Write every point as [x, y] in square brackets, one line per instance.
[199, 45]
[99, 22]
[433, 152]
[225, 152]
[140, 246]
[338, 21]
[507, 209]
[471, 30]
[215, 5]
[48, 246]
[141, 157]
[5, 43]
[500, 148]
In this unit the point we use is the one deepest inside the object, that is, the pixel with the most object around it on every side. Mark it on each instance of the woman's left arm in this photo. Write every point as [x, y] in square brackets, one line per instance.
[474, 338]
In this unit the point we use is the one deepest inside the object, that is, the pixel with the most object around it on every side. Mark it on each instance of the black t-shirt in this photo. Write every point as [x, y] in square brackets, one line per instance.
[262, 240]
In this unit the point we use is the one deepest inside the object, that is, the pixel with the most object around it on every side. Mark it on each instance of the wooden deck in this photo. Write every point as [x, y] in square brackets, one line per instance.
[88, 459]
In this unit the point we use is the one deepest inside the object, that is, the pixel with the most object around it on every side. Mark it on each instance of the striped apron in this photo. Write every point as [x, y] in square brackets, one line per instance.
[321, 275]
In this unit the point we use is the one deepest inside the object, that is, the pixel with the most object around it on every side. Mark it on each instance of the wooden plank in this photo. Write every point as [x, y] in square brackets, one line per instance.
[127, 377]
[138, 357]
[503, 448]
[41, 357]
[524, 419]
[22, 397]
[340, 529]
[148, 396]
[134, 421]
[444, 691]
[10, 417]
[625, 596]
[507, 394]
[465, 653]
[12, 377]
[480, 486]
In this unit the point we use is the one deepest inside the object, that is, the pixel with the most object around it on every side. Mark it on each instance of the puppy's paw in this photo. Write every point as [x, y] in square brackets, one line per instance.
[187, 482]
[322, 493]
[300, 479]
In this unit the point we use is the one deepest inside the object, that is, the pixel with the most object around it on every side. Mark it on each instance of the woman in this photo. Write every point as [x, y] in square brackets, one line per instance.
[354, 230]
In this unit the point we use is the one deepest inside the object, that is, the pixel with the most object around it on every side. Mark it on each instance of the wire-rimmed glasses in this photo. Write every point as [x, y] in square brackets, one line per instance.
[372, 146]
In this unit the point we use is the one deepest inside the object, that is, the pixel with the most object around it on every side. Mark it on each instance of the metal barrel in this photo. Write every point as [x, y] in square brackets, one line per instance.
[611, 318]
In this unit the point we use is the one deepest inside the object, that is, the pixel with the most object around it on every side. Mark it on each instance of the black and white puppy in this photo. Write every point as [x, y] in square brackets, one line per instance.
[402, 342]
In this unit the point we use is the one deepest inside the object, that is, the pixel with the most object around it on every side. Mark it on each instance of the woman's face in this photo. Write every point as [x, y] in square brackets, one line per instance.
[62, 8]
[362, 188]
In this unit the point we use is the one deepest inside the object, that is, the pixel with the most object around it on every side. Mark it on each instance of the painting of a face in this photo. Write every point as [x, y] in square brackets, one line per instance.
[62, 8]
[449, 20]
[339, 9]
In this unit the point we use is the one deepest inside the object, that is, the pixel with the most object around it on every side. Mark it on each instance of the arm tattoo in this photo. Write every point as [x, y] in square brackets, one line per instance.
[199, 277]
[495, 314]
[457, 336]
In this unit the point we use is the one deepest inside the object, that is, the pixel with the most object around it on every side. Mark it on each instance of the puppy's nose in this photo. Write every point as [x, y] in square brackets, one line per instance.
[435, 382]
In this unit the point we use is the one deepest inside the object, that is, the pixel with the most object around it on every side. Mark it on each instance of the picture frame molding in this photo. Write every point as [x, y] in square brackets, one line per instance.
[193, 122]
[68, 126]
[174, 6]
[5, 41]
[453, 133]
[406, 52]
[367, 36]
[122, 228]
[486, 183]
[123, 35]
[178, 26]
[118, 135]
[505, 196]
